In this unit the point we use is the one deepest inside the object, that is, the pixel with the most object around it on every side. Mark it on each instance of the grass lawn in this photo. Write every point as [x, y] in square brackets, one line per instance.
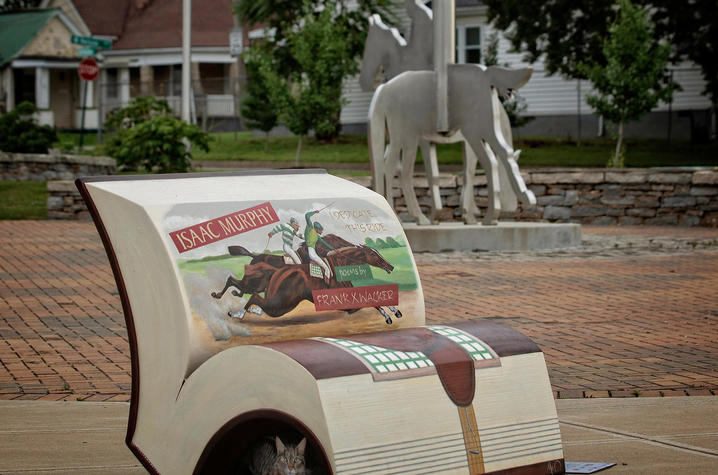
[536, 151]
[23, 200]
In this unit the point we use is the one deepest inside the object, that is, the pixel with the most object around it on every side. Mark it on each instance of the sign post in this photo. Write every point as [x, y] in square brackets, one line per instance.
[88, 71]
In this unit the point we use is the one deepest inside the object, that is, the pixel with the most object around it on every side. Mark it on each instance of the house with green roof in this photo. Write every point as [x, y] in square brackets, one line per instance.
[38, 63]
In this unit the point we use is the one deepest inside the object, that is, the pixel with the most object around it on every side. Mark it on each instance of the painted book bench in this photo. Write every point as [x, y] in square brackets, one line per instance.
[287, 304]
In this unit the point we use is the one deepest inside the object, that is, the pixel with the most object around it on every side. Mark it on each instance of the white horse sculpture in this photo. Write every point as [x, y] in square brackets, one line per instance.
[388, 53]
[406, 106]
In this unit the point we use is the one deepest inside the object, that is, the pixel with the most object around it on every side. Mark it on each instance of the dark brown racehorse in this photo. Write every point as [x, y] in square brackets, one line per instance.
[289, 284]
[277, 260]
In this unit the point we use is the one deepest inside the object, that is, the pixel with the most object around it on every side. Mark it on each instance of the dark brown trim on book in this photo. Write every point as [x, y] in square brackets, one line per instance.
[323, 360]
[504, 340]
[129, 321]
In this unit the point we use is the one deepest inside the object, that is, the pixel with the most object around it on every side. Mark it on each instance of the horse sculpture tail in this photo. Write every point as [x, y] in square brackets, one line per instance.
[377, 141]
[505, 80]
[239, 251]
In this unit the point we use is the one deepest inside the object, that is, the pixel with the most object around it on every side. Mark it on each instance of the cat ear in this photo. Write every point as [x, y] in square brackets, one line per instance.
[280, 445]
[302, 445]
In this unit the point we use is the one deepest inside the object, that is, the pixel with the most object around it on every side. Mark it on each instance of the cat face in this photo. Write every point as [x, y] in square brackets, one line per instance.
[290, 458]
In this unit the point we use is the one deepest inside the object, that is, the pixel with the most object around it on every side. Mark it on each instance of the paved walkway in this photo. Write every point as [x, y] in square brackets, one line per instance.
[634, 311]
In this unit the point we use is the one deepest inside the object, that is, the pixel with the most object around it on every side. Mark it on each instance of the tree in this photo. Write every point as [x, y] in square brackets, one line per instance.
[10, 6]
[632, 82]
[565, 33]
[309, 98]
[515, 106]
[21, 134]
[257, 109]
[285, 17]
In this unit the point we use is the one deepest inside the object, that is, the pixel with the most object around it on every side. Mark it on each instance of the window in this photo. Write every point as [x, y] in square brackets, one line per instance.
[468, 44]
[111, 89]
[24, 80]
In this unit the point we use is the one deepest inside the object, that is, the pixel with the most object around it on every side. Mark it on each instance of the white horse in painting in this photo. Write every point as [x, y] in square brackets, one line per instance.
[406, 106]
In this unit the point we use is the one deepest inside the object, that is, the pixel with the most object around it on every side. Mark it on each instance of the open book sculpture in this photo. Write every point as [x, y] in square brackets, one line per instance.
[273, 303]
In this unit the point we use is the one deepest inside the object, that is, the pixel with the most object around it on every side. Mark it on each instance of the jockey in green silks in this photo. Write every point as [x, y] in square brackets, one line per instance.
[312, 234]
[288, 235]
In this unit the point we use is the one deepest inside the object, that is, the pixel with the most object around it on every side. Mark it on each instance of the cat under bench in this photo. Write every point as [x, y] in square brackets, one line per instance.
[284, 309]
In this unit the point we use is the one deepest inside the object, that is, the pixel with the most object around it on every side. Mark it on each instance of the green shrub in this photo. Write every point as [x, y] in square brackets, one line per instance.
[20, 133]
[148, 137]
[158, 144]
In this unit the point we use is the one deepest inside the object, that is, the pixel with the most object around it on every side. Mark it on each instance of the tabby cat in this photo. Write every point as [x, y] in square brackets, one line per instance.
[279, 459]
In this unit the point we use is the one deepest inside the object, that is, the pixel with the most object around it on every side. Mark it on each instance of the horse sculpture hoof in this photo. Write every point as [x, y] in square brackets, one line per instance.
[216, 295]
[236, 294]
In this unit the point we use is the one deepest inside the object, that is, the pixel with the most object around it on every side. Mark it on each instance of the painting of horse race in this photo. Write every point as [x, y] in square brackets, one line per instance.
[270, 271]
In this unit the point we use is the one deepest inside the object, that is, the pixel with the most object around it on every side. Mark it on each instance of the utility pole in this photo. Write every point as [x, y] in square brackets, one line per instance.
[186, 58]
[444, 46]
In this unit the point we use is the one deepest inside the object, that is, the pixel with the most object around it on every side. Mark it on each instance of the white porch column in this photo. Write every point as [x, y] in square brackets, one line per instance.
[9, 87]
[90, 101]
[124, 86]
[42, 88]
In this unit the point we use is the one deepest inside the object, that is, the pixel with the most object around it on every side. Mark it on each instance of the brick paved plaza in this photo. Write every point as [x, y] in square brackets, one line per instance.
[633, 312]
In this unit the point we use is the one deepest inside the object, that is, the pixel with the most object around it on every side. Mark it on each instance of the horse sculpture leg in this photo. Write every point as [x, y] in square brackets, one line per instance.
[500, 143]
[469, 209]
[431, 165]
[407, 183]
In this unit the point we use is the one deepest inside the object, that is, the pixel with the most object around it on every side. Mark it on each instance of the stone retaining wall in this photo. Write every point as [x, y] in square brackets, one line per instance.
[38, 167]
[653, 196]
[660, 196]
[65, 202]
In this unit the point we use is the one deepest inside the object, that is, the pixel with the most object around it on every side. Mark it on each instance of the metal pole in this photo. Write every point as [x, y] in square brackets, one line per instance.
[444, 40]
[578, 102]
[99, 111]
[82, 117]
[186, 59]
[670, 112]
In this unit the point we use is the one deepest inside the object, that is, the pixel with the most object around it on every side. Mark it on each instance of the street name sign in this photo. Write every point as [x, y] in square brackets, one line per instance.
[87, 41]
[87, 51]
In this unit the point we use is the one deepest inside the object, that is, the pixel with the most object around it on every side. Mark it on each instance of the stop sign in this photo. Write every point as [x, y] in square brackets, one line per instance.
[88, 70]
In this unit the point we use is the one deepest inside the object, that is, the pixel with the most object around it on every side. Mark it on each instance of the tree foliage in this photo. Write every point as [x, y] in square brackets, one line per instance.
[632, 81]
[20, 133]
[257, 109]
[287, 19]
[565, 33]
[148, 137]
[10, 6]
[309, 97]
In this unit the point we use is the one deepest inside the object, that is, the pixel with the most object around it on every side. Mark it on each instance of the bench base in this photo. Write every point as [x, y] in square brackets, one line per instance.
[505, 236]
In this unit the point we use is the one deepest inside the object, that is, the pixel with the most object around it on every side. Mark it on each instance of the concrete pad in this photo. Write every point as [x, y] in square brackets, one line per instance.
[642, 435]
[69, 437]
[505, 236]
[663, 417]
